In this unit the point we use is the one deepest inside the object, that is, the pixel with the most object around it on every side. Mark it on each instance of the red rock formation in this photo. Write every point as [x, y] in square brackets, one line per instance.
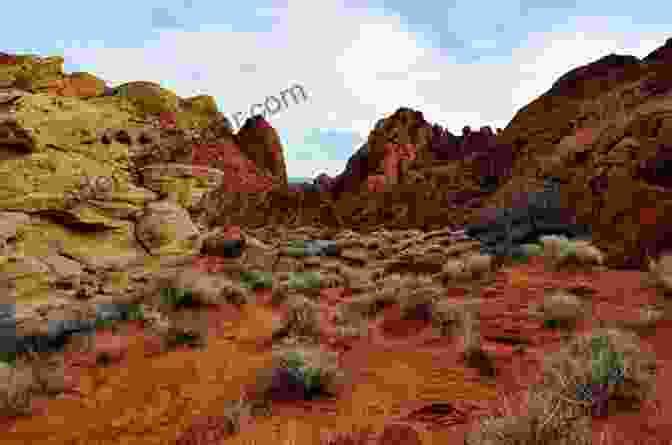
[608, 123]
[240, 173]
[662, 54]
[260, 142]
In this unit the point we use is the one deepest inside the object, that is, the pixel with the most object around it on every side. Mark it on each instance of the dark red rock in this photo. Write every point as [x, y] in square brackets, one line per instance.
[661, 54]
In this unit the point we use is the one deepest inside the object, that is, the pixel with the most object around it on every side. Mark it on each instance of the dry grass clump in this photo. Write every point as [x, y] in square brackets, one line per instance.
[608, 357]
[31, 374]
[560, 251]
[454, 270]
[349, 323]
[371, 303]
[301, 319]
[479, 266]
[184, 328]
[418, 304]
[448, 316]
[543, 420]
[474, 354]
[645, 323]
[659, 274]
[209, 289]
[472, 267]
[451, 318]
[561, 309]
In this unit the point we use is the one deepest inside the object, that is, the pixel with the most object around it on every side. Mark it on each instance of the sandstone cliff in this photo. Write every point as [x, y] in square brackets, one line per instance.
[98, 183]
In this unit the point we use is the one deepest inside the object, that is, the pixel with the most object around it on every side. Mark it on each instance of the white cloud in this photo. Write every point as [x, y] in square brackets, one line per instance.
[356, 67]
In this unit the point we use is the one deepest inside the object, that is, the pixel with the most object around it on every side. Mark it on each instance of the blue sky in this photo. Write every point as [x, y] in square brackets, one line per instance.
[460, 62]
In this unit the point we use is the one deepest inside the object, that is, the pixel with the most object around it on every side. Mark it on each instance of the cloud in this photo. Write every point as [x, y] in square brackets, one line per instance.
[357, 66]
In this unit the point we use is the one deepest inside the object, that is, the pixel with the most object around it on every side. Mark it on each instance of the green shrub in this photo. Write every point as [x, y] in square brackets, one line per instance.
[136, 312]
[317, 371]
[8, 358]
[526, 251]
[299, 244]
[102, 323]
[176, 297]
[256, 280]
[304, 280]
[551, 323]
[176, 337]
[605, 359]
[295, 251]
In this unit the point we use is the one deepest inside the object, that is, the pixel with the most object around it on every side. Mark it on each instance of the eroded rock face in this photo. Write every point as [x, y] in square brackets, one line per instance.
[605, 139]
[100, 180]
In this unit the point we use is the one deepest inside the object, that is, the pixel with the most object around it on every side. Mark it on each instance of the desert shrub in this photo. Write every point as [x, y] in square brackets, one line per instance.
[478, 265]
[295, 251]
[454, 270]
[184, 328]
[256, 279]
[300, 244]
[301, 320]
[370, 304]
[136, 312]
[451, 318]
[417, 304]
[659, 274]
[107, 323]
[474, 354]
[177, 337]
[561, 309]
[525, 252]
[16, 390]
[304, 280]
[647, 320]
[561, 251]
[177, 297]
[8, 358]
[605, 364]
[29, 375]
[300, 373]
[542, 420]
[450, 315]
[349, 323]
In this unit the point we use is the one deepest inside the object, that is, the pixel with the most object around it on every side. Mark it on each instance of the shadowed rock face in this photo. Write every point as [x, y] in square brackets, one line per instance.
[600, 129]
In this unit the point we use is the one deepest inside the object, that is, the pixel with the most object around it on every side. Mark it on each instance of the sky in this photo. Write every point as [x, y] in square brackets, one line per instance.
[459, 62]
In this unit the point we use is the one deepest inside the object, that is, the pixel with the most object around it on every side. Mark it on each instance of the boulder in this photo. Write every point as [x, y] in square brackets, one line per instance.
[166, 227]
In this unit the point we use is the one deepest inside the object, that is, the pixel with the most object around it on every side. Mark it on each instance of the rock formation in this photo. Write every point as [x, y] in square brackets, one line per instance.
[602, 130]
[261, 144]
[100, 184]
